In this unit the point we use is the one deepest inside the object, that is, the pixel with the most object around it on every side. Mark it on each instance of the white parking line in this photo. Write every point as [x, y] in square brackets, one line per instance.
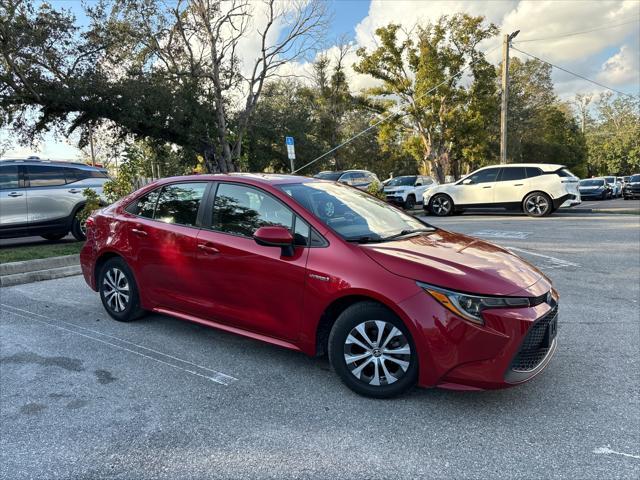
[215, 376]
[501, 234]
[552, 262]
[607, 451]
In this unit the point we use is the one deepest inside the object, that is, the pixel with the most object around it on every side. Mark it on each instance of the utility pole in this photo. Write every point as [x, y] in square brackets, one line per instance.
[93, 155]
[505, 95]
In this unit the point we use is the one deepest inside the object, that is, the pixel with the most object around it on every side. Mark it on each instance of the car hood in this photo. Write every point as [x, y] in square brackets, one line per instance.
[457, 262]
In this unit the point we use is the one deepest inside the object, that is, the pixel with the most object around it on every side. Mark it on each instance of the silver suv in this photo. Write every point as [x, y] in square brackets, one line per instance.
[41, 197]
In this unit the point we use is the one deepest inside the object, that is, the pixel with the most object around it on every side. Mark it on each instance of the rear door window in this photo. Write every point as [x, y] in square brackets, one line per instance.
[78, 174]
[9, 178]
[513, 173]
[45, 176]
[179, 203]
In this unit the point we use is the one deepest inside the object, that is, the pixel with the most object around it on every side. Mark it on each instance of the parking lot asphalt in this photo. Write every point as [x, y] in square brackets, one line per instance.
[86, 397]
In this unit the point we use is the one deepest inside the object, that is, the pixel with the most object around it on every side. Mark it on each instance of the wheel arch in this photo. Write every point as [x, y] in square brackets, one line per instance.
[339, 305]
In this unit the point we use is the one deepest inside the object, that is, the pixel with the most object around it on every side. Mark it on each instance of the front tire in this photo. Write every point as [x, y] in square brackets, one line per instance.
[119, 291]
[537, 204]
[410, 203]
[441, 205]
[372, 351]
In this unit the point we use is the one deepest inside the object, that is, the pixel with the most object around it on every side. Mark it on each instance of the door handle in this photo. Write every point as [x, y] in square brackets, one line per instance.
[74, 190]
[208, 248]
[518, 184]
[15, 194]
[140, 233]
[489, 186]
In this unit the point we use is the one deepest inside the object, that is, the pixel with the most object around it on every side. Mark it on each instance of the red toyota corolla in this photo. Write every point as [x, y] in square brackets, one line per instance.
[320, 267]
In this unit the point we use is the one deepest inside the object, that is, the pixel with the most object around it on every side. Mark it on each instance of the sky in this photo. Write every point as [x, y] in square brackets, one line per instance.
[598, 39]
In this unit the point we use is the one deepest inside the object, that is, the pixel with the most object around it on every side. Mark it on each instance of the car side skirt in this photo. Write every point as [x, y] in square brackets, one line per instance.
[228, 328]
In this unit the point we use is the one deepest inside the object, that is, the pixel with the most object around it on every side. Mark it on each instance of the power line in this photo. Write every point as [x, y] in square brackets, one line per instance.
[398, 112]
[579, 32]
[573, 73]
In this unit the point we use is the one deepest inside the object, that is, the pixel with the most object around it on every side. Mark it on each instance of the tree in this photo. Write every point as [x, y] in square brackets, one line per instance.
[613, 140]
[423, 77]
[165, 71]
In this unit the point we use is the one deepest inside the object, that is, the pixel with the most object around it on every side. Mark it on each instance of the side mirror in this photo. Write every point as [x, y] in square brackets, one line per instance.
[467, 181]
[275, 237]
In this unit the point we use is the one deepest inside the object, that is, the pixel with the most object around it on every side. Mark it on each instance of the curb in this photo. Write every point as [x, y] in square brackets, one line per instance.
[17, 273]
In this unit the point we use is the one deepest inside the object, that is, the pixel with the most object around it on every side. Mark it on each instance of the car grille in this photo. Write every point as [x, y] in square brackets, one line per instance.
[536, 343]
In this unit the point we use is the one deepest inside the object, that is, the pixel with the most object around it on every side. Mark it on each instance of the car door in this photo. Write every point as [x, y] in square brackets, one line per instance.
[477, 188]
[244, 284]
[162, 228]
[13, 198]
[48, 197]
[511, 186]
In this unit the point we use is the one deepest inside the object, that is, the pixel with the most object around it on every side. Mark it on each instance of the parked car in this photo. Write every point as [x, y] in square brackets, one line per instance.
[632, 188]
[595, 188]
[316, 266]
[407, 190]
[616, 187]
[41, 197]
[535, 188]
[360, 179]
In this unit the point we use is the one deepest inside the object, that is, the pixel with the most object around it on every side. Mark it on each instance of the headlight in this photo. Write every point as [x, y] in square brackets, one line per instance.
[470, 307]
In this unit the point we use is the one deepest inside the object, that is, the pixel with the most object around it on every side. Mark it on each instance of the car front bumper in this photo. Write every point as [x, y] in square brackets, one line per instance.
[507, 350]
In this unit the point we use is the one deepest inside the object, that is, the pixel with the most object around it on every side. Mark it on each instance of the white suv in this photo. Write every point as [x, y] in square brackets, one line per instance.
[407, 190]
[535, 188]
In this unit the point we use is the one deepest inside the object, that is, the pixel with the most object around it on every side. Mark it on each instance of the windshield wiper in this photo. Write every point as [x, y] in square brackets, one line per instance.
[363, 239]
[407, 232]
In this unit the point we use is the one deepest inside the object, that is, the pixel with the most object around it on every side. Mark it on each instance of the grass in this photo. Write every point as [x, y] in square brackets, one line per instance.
[43, 250]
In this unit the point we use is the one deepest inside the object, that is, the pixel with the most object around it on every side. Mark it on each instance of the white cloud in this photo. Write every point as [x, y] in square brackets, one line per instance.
[622, 68]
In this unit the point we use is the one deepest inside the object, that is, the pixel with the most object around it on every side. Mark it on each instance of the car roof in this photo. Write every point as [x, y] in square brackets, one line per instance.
[250, 178]
[56, 163]
[545, 167]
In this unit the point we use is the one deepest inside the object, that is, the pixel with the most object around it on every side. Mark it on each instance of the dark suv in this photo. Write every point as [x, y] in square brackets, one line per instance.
[41, 197]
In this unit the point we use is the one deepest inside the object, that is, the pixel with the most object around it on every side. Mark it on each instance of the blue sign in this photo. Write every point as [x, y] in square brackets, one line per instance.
[289, 140]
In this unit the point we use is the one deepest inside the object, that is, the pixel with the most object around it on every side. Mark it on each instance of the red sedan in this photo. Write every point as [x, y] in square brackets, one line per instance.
[319, 267]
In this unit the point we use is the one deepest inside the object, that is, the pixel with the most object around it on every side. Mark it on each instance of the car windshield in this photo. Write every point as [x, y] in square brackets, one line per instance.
[634, 178]
[610, 179]
[328, 175]
[591, 183]
[401, 182]
[354, 215]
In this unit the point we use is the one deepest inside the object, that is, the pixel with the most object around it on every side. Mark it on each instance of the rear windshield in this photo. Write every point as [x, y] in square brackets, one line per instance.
[328, 175]
[610, 179]
[597, 182]
[634, 178]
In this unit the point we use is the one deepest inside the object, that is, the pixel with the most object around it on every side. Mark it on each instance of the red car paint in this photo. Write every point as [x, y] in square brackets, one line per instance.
[235, 284]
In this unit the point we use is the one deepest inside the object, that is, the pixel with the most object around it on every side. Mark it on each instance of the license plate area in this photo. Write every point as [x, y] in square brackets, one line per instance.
[550, 334]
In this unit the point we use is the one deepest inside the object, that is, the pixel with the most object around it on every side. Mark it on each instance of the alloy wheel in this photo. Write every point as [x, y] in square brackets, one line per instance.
[441, 205]
[377, 353]
[537, 205]
[115, 288]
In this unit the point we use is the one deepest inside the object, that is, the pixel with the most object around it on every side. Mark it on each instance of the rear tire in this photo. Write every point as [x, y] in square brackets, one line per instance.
[78, 227]
[537, 204]
[441, 205]
[53, 237]
[372, 351]
[119, 291]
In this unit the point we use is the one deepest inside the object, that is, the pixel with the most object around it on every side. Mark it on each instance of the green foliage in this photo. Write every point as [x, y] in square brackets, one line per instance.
[613, 138]
[375, 189]
[92, 203]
